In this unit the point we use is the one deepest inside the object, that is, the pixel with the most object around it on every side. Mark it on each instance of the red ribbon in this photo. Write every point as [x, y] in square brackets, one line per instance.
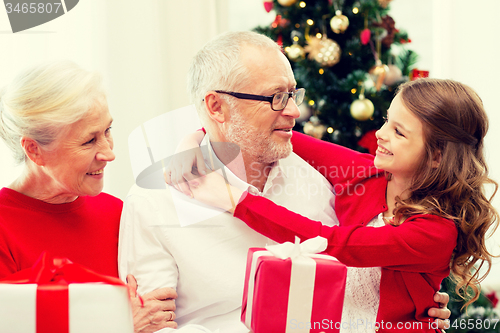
[53, 275]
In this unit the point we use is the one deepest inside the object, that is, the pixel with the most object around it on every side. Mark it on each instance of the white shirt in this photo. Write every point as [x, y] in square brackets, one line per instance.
[205, 262]
[362, 294]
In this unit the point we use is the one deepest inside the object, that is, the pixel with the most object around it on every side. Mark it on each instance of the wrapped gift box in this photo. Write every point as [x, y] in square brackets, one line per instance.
[293, 290]
[58, 296]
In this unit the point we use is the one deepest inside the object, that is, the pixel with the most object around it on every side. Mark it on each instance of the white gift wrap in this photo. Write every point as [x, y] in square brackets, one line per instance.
[93, 308]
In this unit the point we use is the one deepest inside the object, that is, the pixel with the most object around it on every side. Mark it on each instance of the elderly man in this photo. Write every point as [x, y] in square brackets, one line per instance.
[245, 93]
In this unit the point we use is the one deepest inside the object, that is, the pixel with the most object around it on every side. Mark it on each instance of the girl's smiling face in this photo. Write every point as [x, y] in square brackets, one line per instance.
[400, 142]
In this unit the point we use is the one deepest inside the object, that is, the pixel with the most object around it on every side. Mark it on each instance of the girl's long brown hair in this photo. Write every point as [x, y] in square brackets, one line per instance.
[454, 124]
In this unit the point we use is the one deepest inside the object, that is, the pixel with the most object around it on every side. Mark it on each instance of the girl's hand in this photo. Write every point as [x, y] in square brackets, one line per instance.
[187, 163]
[213, 190]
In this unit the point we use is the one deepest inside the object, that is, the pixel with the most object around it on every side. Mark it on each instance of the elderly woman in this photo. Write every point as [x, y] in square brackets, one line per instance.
[55, 119]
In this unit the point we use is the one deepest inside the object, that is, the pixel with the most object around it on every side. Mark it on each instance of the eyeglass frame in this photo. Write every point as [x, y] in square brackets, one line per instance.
[264, 98]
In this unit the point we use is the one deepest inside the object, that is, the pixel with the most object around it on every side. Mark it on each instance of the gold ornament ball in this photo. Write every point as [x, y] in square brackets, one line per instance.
[313, 47]
[329, 53]
[393, 75]
[378, 73]
[314, 128]
[295, 52]
[339, 23]
[286, 3]
[362, 108]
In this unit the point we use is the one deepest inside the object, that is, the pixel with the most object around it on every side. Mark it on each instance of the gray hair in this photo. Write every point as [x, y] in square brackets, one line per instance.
[42, 101]
[217, 66]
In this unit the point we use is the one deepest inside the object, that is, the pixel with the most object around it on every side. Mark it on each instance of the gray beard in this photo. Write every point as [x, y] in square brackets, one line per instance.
[253, 142]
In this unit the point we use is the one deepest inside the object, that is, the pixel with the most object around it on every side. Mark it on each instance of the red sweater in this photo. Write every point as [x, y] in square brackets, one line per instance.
[85, 231]
[414, 256]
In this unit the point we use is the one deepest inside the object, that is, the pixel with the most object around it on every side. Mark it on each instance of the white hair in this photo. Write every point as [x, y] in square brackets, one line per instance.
[44, 100]
[217, 66]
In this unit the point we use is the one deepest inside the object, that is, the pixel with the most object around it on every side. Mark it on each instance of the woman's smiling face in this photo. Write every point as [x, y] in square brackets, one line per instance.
[76, 161]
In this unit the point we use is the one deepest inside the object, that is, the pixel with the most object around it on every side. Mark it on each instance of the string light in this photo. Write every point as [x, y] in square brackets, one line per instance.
[329, 130]
[295, 38]
[310, 22]
[321, 71]
[297, 25]
[353, 91]
[311, 102]
[302, 4]
[355, 10]
[319, 35]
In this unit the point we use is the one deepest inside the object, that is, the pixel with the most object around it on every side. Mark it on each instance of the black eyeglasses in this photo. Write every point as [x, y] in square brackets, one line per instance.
[278, 101]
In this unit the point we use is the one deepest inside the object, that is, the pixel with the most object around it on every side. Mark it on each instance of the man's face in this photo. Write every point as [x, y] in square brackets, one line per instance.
[262, 133]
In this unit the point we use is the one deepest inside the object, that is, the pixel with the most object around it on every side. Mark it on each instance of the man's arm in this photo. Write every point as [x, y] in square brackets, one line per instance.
[141, 254]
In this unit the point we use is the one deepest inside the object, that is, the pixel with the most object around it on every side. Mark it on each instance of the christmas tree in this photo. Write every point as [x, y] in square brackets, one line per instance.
[350, 58]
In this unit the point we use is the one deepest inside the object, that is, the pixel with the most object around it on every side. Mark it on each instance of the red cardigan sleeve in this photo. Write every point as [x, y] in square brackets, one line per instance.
[422, 243]
[334, 162]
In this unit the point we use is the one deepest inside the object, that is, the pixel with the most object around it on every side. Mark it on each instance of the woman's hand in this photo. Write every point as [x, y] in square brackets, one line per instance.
[153, 311]
[187, 163]
[213, 190]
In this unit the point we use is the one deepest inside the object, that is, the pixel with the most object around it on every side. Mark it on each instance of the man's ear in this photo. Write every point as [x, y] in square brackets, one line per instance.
[436, 159]
[33, 150]
[214, 107]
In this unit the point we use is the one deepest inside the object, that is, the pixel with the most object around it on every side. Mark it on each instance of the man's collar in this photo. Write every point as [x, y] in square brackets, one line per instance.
[214, 163]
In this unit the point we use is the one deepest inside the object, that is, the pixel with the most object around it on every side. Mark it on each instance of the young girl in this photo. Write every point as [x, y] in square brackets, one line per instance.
[425, 213]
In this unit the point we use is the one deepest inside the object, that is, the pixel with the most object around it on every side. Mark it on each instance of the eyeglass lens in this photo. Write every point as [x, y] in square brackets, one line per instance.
[280, 100]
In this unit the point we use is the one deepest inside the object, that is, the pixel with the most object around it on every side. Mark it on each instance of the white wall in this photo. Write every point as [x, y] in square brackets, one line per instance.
[143, 49]
[63, 38]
